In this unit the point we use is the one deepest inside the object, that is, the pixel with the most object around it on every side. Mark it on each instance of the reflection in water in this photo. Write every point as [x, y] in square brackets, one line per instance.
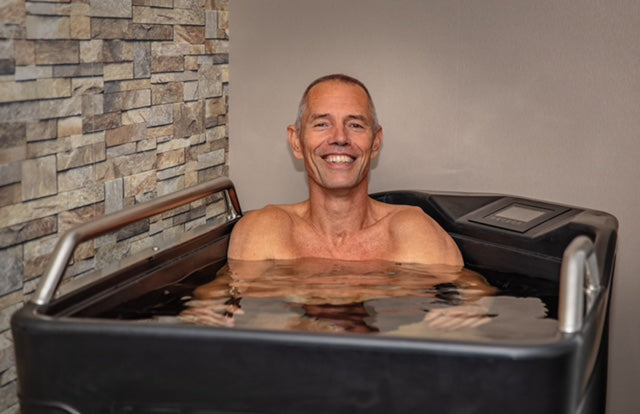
[393, 299]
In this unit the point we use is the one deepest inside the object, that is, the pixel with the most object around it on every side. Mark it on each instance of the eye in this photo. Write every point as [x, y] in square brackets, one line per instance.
[356, 125]
[321, 124]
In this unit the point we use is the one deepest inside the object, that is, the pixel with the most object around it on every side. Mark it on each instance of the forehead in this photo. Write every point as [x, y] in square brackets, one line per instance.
[337, 95]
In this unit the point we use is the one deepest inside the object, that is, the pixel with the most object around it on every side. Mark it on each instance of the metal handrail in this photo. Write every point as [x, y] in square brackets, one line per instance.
[71, 239]
[579, 277]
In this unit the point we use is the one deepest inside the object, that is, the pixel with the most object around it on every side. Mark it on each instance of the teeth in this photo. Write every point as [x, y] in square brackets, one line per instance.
[339, 159]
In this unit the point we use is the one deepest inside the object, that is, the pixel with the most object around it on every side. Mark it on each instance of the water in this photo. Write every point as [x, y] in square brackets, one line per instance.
[381, 298]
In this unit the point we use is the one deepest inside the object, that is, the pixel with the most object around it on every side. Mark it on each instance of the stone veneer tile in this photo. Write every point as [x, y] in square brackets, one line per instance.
[29, 230]
[140, 183]
[91, 51]
[110, 8]
[13, 134]
[55, 8]
[82, 69]
[172, 144]
[125, 30]
[171, 172]
[191, 63]
[11, 264]
[188, 118]
[170, 158]
[87, 85]
[57, 52]
[19, 213]
[170, 186]
[211, 24]
[171, 16]
[188, 4]
[48, 27]
[17, 91]
[146, 145]
[69, 126]
[152, 32]
[118, 71]
[161, 131]
[223, 24]
[24, 52]
[32, 72]
[191, 91]
[72, 218]
[121, 150]
[113, 195]
[76, 178]
[92, 104]
[211, 159]
[36, 256]
[127, 100]
[126, 165]
[135, 116]
[153, 3]
[189, 34]
[85, 196]
[160, 115]
[215, 106]
[127, 85]
[59, 108]
[81, 156]
[101, 122]
[10, 194]
[216, 46]
[125, 133]
[117, 51]
[13, 12]
[39, 177]
[167, 64]
[10, 173]
[80, 27]
[36, 89]
[42, 130]
[111, 29]
[141, 60]
[167, 93]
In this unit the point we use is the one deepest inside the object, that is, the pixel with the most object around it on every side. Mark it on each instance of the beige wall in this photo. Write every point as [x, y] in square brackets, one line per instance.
[540, 99]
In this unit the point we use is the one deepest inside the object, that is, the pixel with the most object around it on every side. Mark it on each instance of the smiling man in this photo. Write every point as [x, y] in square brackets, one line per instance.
[337, 135]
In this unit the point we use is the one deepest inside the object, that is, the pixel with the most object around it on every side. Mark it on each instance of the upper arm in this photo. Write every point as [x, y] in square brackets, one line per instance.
[423, 240]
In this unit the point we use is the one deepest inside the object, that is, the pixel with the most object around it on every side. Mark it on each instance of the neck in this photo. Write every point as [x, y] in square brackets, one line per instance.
[338, 213]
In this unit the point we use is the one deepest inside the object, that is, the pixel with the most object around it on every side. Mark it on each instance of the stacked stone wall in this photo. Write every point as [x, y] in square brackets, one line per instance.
[103, 104]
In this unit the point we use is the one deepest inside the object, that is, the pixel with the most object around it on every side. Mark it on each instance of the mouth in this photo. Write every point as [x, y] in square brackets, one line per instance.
[338, 159]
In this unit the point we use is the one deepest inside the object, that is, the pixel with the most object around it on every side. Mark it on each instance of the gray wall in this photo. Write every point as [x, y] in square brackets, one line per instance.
[540, 99]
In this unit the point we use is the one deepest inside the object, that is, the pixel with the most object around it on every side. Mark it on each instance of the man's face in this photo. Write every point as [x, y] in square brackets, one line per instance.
[337, 139]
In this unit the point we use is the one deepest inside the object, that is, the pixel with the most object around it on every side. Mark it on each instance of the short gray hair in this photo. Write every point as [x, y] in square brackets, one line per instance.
[338, 77]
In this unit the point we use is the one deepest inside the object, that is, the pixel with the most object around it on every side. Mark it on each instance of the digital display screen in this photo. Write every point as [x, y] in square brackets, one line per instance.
[520, 213]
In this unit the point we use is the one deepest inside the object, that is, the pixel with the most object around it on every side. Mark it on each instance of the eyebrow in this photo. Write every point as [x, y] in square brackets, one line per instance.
[362, 118]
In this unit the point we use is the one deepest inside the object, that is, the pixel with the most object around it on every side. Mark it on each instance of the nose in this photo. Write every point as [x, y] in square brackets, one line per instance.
[340, 136]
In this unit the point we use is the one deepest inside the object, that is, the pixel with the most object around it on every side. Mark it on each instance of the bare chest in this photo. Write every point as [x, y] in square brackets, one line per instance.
[369, 244]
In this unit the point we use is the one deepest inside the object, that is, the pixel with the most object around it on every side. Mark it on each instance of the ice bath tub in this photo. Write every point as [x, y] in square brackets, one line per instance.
[71, 361]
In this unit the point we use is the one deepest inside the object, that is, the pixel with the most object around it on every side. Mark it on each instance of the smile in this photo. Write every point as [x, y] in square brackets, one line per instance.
[339, 159]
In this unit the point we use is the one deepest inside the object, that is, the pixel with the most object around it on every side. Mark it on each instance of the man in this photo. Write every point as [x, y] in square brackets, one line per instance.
[337, 135]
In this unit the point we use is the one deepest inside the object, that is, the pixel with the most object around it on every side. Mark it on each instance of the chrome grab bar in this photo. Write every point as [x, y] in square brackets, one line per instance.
[71, 239]
[579, 277]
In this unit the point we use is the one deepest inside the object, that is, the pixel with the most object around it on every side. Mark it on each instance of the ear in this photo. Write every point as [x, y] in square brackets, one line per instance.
[377, 143]
[294, 142]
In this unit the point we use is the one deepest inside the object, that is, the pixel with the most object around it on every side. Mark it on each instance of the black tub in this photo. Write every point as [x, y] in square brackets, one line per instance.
[70, 361]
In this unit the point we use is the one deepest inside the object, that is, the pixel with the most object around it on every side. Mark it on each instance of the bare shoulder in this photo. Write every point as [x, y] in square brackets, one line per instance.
[421, 239]
[259, 233]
